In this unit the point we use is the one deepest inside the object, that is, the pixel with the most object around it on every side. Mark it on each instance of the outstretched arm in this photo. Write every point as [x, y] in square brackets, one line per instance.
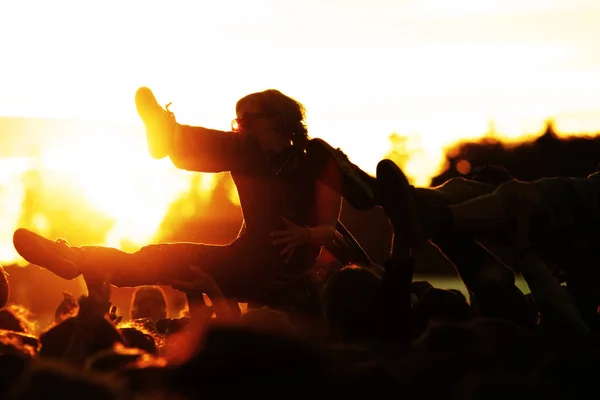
[199, 149]
[556, 307]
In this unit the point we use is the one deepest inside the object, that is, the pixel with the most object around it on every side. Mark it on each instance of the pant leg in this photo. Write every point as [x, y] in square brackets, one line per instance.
[151, 265]
[243, 269]
[455, 191]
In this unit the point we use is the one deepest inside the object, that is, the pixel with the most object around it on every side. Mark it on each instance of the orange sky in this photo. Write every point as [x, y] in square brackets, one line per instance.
[435, 70]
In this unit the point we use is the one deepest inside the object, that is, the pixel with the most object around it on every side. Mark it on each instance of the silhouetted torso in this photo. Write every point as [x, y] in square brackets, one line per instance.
[266, 192]
[266, 197]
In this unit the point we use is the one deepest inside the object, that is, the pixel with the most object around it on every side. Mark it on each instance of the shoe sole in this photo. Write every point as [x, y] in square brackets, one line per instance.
[147, 108]
[40, 251]
[397, 199]
[361, 199]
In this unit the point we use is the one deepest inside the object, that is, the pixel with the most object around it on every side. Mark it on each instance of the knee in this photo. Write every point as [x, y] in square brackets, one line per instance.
[518, 191]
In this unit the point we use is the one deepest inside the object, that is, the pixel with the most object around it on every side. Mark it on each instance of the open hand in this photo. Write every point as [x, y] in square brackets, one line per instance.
[113, 315]
[67, 308]
[291, 238]
[201, 282]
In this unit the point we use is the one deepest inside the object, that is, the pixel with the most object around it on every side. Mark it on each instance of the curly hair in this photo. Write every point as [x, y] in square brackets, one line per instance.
[291, 113]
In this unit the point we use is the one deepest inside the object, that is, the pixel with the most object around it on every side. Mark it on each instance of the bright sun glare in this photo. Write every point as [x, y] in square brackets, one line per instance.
[118, 179]
[434, 71]
[115, 178]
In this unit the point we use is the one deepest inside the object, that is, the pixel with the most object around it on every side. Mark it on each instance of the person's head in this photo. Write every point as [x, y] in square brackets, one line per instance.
[16, 318]
[349, 302]
[273, 119]
[17, 352]
[443, 305]
[267, 320]
[148, 302]
[55, 340]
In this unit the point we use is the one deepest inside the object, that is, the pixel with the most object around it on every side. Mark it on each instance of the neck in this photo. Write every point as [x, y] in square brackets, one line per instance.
[279, 148]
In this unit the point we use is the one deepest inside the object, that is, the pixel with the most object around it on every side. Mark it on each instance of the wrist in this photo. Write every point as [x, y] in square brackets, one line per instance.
[310, 234]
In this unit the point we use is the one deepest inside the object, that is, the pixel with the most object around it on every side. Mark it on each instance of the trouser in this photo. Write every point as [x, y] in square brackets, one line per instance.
[244, 270]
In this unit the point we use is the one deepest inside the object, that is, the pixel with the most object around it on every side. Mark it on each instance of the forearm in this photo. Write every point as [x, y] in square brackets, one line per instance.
[223, 310]
[552, 300]
[198, 306]
[473, 262]
[322, 235]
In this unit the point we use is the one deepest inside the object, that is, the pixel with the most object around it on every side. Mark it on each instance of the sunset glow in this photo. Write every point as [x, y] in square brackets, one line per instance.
[433, 71]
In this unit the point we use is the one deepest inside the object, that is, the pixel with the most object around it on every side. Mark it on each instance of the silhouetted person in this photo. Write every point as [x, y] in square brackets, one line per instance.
[288, 187]
[559, 205]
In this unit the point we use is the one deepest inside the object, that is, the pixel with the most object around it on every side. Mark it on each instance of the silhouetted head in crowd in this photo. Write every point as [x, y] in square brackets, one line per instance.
[506, 302]
[51, 379]
[273, 119]
[235, 360]
[443, 305]
[267, 320]
[17, 319]
[56, 340]
[17, 351]
[349, 303]
[148, 302]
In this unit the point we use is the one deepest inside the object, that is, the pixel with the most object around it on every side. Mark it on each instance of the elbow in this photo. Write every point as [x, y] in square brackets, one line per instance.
[191, 164]
[331, 231]
[179, 162]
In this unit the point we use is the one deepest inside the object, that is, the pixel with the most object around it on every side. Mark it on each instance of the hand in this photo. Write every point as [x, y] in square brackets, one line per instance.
[67, 308]
[201, 282]
[113, 316]
[291, 238]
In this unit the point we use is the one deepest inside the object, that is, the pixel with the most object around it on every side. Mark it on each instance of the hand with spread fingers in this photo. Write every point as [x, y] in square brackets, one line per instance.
[291, 238]
[67, 308]
[201, 282]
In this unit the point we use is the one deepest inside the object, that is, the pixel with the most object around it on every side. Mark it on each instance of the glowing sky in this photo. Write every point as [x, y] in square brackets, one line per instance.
[440, 69]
